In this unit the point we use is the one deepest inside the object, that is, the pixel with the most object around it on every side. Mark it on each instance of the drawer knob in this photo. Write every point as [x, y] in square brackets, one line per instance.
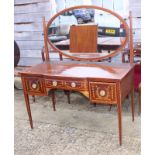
[34, 85]
[102, 93]
[73, 84]
[54, 83]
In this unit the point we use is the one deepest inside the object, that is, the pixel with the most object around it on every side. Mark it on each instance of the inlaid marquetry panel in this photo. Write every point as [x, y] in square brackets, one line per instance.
[103, 92]
[34, 85]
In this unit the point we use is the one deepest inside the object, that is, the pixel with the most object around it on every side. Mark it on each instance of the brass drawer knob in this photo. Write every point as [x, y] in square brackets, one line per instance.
[102, 93]
[73, 84]
[34, 85]
[54, 83]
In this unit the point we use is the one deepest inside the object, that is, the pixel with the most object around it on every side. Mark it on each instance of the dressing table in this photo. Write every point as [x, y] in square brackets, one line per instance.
[102, 83]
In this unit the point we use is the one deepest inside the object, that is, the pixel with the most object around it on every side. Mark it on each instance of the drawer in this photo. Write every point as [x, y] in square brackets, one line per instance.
[53, 83]
[66, 84]
[103, 92]
[34, 85]
[75, 84]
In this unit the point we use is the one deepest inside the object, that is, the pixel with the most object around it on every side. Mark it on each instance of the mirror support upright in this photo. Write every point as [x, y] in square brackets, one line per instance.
[46, 53]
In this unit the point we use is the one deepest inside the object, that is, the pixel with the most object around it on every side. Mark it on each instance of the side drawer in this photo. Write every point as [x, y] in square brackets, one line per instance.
[103, 92]
[34, 85]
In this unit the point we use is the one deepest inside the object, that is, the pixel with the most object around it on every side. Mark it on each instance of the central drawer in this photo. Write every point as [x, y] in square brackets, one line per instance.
[75, 84]
[54, 83]
[69, 84]
[103, 92]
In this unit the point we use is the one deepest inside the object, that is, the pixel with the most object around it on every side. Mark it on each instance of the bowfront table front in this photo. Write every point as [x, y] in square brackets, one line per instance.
[102, 83]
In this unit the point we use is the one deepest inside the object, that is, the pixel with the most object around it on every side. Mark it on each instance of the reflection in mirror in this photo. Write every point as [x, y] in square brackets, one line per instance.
[108, 35]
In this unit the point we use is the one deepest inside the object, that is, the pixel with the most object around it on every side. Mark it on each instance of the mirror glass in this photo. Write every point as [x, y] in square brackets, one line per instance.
[86, 32]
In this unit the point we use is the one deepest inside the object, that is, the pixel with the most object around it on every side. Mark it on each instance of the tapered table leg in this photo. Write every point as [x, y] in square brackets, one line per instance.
[132, 103]
[52, 94]
[94, 104]
[67, 92]
[139, 102]
[110, 106]
[33, 98]
[28, 109]
[119, 108]
[139, 99]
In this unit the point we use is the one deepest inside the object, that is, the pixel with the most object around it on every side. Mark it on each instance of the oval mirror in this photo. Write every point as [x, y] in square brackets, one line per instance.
[87, 33]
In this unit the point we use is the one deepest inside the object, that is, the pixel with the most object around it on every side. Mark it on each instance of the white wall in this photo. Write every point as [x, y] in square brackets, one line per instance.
[135, 7]
[28, 26]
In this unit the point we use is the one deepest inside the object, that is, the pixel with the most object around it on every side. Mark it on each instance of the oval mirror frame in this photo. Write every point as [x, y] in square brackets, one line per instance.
[122, 21]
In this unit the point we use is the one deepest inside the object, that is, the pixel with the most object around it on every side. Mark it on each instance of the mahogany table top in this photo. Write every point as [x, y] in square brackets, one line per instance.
[80, 70]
